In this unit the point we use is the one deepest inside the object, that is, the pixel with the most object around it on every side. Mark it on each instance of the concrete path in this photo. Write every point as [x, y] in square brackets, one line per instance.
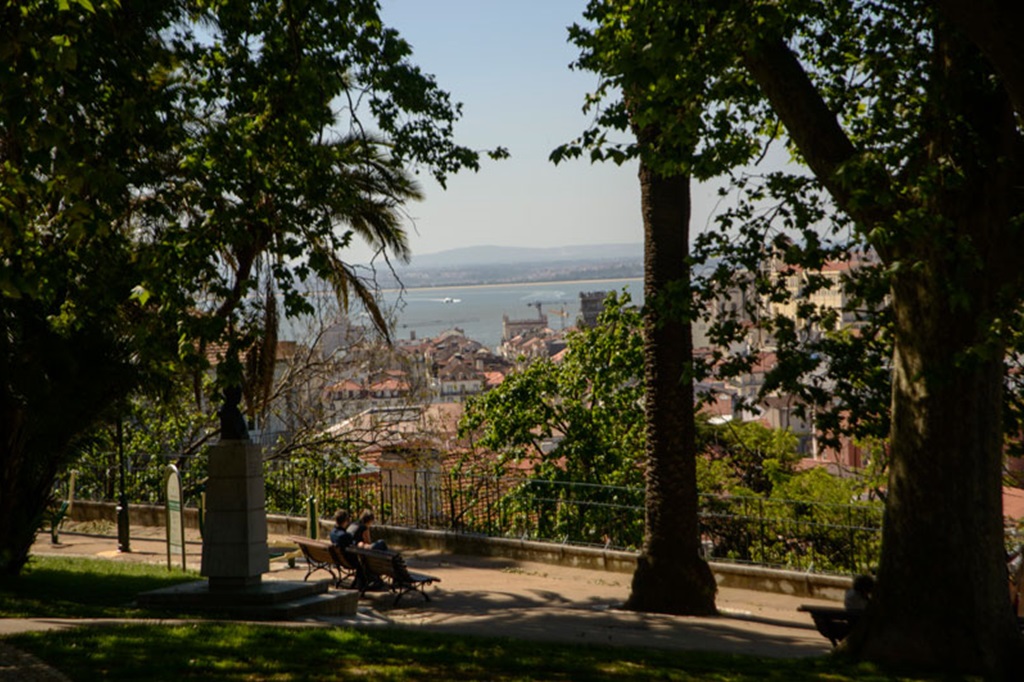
[500, 597]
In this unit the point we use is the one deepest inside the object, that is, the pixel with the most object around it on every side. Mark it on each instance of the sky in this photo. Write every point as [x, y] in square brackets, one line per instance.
[507, 61]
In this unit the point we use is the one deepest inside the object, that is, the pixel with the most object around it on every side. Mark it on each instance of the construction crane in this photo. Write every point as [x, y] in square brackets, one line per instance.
[561, 312]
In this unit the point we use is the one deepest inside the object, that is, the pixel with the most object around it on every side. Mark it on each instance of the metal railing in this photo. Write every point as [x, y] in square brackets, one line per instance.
[802, 535]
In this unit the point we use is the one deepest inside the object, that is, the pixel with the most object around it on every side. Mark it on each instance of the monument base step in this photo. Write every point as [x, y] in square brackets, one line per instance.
[270, 600]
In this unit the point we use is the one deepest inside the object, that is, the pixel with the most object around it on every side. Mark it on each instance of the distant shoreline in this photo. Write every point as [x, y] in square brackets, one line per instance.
[555, 282]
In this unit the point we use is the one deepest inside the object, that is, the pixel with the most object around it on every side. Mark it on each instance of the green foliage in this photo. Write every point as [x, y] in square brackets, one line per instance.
[166, 169]
[909, 121]
[576, 426]
[327, 475]
[574, 423]
[688, 118]
[83, 97]
[1013, 417]
[688, 72]
[811, 521]
[817, 485]
[577, 419]
[279, 173]
[170, 429]
[839, 533]
[828, 337]
[745, 455]
[716, 476]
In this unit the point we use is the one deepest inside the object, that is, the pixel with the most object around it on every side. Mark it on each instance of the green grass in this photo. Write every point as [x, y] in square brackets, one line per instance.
[229, 651]
[73, 587]
[212, 651]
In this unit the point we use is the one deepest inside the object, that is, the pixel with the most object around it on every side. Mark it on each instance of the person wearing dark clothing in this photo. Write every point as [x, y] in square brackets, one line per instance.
[360, 532]
[339, 534]
[342, 539]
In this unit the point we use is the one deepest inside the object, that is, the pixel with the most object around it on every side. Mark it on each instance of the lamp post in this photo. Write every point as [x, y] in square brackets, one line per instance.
[123, 531]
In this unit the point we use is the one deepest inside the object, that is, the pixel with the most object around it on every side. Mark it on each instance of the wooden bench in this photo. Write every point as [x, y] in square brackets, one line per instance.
[390, 567]
[834, 622]
[325, 556]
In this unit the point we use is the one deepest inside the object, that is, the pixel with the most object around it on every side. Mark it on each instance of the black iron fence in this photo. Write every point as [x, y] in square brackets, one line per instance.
[794, 534]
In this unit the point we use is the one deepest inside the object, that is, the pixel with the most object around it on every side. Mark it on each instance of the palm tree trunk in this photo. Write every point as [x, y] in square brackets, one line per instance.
[671, 577]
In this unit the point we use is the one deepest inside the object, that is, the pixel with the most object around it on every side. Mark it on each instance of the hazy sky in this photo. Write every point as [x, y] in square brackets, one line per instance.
[507, 62]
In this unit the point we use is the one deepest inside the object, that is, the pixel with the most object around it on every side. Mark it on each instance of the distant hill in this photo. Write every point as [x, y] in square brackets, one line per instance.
[508, 264]
[490, 255]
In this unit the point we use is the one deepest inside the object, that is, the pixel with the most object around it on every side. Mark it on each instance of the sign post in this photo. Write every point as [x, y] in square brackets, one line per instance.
[175, 519]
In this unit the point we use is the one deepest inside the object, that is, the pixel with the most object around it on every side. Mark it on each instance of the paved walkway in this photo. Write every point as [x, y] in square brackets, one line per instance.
[494, 596]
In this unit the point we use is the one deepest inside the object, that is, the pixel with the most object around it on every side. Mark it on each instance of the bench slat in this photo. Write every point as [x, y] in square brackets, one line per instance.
[390, 567]
[325, 556]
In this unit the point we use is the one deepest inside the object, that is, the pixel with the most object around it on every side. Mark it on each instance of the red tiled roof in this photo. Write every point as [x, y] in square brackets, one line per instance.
[721, 406]
[765, 362]
[389, 385]
[1013, 503]
[346, 385]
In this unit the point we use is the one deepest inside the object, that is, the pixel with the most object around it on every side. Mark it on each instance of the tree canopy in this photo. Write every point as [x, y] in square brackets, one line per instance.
[575, 419]
[905, 117]
[170, 169]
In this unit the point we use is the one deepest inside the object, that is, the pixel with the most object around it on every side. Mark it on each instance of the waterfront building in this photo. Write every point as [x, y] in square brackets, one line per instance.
[591, 305]
[512, 328]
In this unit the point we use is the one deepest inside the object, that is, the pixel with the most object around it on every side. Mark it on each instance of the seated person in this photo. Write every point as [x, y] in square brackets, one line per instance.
[1015, 572]
[340, 536]
[342, 539]
[858, 596]
[360, 532]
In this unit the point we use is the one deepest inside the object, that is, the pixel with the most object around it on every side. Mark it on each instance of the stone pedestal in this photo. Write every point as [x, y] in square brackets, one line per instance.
[235, 552]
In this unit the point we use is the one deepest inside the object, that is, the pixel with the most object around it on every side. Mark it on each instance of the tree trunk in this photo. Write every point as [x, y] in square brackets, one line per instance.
[25, 484]
[942, 600]
[953, 239]
[671, 577]
[52, 390]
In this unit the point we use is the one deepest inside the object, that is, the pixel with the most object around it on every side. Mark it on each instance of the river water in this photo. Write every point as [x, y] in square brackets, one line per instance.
[478, 310]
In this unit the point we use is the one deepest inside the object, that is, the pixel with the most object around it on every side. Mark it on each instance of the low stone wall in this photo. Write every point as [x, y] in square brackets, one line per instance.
[138, 514]
[155, 515]
[796, 583]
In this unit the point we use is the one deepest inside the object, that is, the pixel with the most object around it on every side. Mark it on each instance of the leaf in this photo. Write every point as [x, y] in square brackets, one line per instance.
[140, 294]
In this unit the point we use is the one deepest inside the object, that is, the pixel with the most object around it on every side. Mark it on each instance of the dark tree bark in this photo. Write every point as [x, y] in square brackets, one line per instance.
[671, 577]
[24, 492]
[53, 388]
[996, 27]
[941, 600]
[944, 525]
